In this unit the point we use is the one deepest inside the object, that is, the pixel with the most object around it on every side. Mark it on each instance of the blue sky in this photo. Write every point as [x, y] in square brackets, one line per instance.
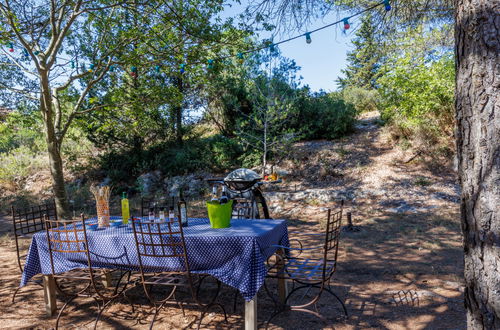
[322, 59]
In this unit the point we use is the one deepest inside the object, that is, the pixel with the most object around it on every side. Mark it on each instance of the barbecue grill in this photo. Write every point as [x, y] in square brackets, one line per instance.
[242, 179]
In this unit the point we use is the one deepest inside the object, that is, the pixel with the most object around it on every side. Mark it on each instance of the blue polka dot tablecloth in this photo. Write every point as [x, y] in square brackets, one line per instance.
[235, 255]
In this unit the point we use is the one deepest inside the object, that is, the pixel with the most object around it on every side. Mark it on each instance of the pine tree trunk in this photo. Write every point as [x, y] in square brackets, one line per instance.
[477, 34]
[54, 150]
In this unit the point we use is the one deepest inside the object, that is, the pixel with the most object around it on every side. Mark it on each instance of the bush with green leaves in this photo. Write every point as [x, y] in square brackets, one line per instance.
[215, 153]
[364, 100]
[21, 129]
[417, 98]
[323, 116]
[17, 164]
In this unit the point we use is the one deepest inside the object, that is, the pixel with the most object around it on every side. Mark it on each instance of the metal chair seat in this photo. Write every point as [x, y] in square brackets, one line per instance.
[308, 269]
[75, 274]
[84, 274]
[169, 279]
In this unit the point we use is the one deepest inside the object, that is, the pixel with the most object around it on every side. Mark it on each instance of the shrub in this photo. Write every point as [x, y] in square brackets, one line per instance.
[417, 100]
[364, 100]
[224, 152]
[325, 116]
[21, 130]
[18, 164]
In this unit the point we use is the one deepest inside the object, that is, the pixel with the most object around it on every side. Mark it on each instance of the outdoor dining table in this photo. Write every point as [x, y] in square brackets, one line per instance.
[236, 256]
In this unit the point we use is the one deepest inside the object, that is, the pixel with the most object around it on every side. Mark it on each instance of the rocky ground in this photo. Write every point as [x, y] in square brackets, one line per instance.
[399, 267]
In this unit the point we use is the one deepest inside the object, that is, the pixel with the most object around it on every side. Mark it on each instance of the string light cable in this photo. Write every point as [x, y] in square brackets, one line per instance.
[240, 55]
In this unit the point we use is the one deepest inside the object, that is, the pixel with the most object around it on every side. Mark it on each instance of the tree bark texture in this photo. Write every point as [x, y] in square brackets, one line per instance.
[477, 34]
[54, 149]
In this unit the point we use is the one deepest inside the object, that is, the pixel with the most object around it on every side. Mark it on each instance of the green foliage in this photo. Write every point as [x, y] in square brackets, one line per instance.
[364, 60]
[364, 100]
[17, 164]
[21, 129]
[225, 152]
[215, 153]
[323, 116]
[418, 98]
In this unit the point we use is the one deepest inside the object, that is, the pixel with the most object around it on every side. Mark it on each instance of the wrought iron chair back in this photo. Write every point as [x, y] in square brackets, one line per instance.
[309, 271]
[243, 208]
[70, 237]
[67, 236]
[166, 241]
[161, 240]
[332, 237]
[30, 220]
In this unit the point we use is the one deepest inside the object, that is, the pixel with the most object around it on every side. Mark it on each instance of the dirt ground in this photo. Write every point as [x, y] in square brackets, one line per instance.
[402, 269]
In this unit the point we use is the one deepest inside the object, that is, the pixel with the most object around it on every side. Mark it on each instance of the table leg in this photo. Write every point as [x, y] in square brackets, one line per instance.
[107, 279]
[251, 314]
[282, 283]
[49, 293]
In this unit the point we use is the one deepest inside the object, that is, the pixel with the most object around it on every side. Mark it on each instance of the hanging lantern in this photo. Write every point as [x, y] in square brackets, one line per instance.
[157, 68]
[240, 57]
[91, 67]
[182, 68]
[133, 72]
[347, 26]
[11, 47]
[210, 64]
[308, 38]
[387, 5]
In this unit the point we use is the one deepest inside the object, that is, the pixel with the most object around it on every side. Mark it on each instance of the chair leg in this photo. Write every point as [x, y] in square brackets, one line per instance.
[205, 310]
[156, 314]
[101, 310]
[338, 299]
[270, 295]
[125, 285]
[62, 309]
[15, 293]
[129, 302]
[276, 313]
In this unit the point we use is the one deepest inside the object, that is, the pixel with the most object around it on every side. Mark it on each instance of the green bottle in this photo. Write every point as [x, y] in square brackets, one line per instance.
[125, 209]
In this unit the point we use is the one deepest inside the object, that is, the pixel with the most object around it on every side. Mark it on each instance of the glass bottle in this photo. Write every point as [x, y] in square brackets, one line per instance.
[171, 214]
[161, 214]
[125, 209]
[223, 197]
[182, 207]
[151, 216]
[214, 194]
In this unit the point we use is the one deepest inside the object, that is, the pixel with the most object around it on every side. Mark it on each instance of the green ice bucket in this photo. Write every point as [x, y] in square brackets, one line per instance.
[220, 215]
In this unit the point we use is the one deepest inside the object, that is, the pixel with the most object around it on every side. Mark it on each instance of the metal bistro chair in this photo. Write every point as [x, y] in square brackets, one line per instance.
[146, 204]
[70, 237]
[27, 221]
[313, 272]
[163, 244]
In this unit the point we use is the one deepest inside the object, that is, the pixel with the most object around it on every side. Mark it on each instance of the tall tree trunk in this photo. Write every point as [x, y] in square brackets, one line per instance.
[54, 149]
[477, 104]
